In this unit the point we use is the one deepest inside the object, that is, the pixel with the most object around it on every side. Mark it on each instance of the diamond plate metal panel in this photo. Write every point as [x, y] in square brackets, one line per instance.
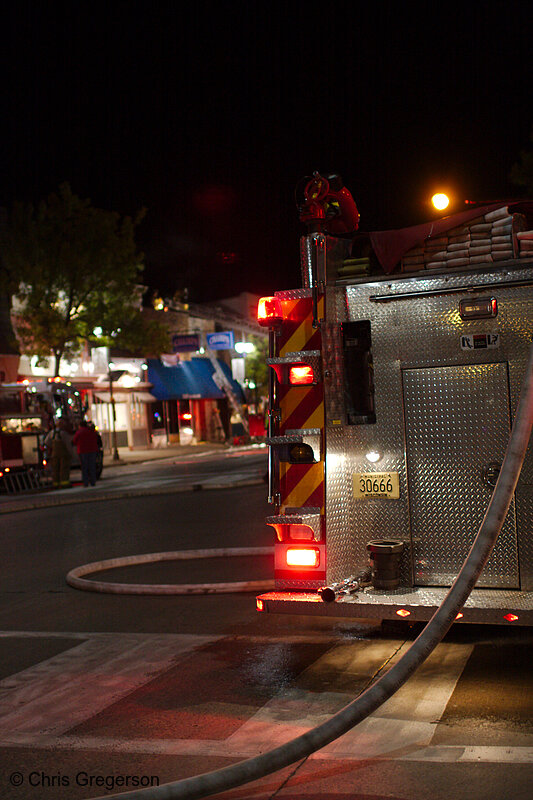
[418, 333]
[464, 427]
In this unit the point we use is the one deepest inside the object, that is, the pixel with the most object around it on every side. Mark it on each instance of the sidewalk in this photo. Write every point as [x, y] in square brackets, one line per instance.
[138, 455]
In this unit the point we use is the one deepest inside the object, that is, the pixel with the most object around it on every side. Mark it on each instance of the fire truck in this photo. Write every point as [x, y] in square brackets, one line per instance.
[395, 375]
[28, 410]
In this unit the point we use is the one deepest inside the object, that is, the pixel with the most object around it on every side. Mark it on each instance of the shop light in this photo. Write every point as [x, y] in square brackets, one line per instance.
[301, 376]
[244, 347]
[300, 557]
[269, 311]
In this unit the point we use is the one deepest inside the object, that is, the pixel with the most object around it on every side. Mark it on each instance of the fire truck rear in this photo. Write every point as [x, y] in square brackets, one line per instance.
[395, 374]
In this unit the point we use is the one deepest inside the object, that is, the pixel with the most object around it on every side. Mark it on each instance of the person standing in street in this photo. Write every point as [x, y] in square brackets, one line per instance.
[58, 443]
[86, 441]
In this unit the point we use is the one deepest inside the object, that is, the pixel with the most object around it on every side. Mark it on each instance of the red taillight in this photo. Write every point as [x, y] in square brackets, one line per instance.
[301, 376]
[403, 612]
[510, 617]
[269, 311]
[300, 557]
[260, 605]
[186, 415]
[459, 615]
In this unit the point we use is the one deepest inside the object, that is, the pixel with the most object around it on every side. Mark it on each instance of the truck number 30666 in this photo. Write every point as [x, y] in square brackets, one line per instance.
[377, 484]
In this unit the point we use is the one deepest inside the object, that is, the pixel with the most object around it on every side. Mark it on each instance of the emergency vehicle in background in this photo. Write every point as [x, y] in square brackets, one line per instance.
[28, 411]
[395, 374]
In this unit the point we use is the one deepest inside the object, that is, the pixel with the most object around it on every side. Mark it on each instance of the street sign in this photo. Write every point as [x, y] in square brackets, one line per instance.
[222, 340]
[185, 342]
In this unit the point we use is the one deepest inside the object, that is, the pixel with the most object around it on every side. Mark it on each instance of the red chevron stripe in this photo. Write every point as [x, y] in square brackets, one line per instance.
[311, 398]
[295, 476]
[316, 499]
[295, 314]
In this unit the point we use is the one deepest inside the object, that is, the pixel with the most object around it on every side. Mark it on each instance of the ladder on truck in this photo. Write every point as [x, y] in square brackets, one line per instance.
[224, 384]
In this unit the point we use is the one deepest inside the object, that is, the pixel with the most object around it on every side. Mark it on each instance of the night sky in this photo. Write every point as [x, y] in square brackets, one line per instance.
[208, 117]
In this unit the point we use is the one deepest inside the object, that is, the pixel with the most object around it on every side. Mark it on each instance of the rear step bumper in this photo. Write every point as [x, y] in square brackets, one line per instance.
[488, 606]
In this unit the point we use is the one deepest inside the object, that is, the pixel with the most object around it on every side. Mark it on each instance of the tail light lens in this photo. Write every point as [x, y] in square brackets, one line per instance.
[269, 311]
[301, 454]
[301, 376]
[303, 557]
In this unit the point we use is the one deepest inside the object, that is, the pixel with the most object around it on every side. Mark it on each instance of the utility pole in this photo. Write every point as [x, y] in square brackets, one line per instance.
[114, 447]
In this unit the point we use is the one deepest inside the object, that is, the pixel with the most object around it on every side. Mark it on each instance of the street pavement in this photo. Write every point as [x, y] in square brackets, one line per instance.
[97, 687]
[204, 466]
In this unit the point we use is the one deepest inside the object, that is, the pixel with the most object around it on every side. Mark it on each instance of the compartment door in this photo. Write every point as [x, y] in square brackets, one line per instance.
[457, 423]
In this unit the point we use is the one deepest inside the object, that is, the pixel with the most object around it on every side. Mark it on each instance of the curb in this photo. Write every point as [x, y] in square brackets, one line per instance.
[94, 498]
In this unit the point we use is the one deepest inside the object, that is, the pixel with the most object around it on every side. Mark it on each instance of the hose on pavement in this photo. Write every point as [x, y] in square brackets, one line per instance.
[302, 746]
[77, 581]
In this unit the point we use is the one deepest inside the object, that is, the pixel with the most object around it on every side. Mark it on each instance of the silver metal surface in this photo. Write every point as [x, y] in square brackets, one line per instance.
[457, 422]
[498, 606]
[443, 413]
[300, 517]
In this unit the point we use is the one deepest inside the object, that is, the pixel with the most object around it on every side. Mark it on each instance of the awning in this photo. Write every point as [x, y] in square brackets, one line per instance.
[189, 380]
[122, 397]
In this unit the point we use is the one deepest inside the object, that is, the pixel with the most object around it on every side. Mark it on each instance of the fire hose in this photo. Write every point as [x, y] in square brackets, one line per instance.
[77, 581]
[302, 746]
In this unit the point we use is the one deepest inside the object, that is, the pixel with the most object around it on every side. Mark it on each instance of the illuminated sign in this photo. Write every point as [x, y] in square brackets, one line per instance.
[222, 340]
[185, 342]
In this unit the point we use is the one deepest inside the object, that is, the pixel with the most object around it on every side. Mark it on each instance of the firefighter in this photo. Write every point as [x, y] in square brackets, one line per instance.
[59, 446]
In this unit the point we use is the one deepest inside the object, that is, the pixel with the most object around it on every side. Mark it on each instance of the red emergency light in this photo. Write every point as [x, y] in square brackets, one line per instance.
[301, 376]
[302, 557]
[269, 311]
[510, 617]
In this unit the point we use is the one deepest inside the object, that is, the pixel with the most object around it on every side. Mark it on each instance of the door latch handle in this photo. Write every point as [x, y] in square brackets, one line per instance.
[491, 473]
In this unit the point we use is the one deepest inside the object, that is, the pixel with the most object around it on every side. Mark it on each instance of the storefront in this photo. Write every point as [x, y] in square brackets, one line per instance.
[188, 401]
[132, 416]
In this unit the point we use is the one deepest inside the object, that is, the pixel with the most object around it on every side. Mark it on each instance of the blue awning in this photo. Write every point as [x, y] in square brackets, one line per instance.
[189, 380]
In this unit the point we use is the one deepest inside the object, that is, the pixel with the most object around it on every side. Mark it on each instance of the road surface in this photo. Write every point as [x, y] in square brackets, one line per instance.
[95, 688]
